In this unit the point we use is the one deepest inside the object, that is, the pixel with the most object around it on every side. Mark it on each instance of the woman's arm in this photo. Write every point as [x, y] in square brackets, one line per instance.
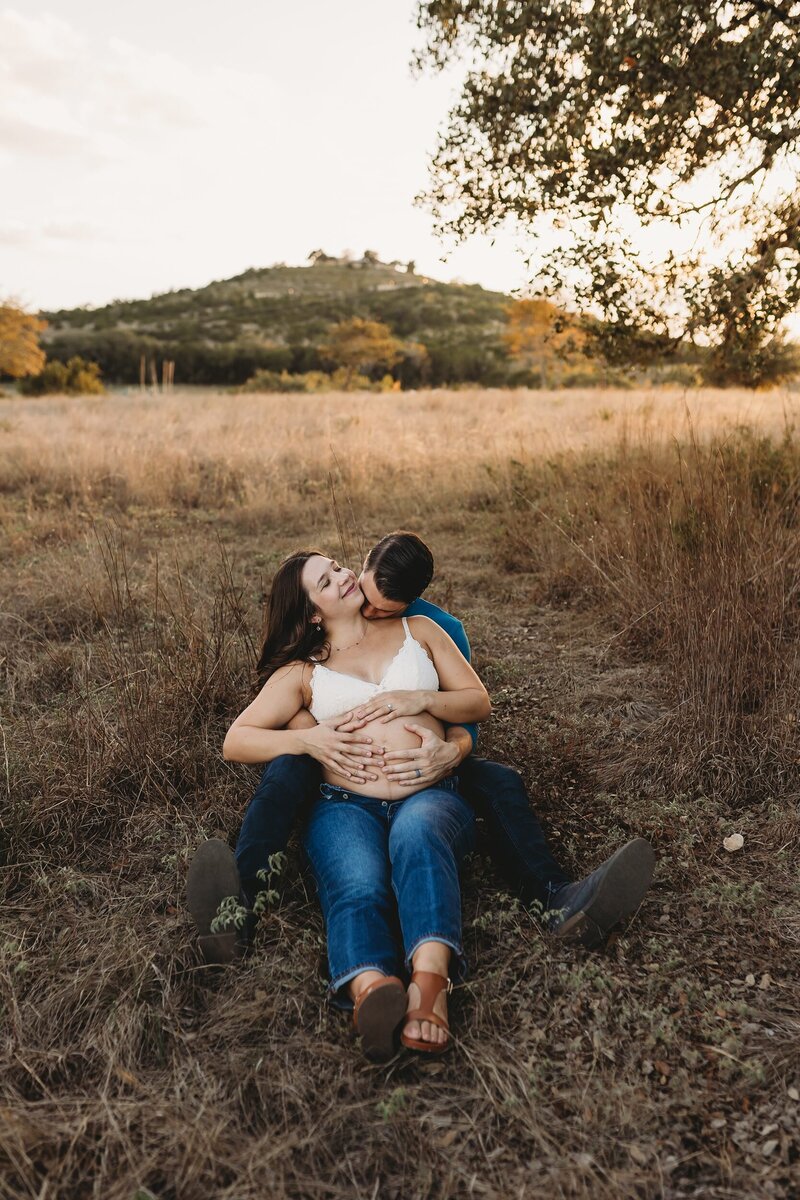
[258, 734]
[461, 696]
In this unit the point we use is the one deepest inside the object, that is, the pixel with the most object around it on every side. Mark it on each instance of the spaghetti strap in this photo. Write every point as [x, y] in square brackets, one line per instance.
[405, 626]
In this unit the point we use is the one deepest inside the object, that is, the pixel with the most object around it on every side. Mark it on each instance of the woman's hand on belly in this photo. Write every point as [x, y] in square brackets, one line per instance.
[386, 706]
[342, 752]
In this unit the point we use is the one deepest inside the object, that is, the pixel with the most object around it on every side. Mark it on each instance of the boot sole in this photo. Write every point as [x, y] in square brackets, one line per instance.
[213, 875]
[379, 1018]
[629, 875]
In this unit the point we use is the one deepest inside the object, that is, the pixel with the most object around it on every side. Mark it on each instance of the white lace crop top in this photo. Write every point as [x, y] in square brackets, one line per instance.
[333, 692]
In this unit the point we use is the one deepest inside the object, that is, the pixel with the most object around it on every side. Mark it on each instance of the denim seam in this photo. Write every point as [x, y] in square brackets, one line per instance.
[435, 936]
[346, 976]
[456, 947]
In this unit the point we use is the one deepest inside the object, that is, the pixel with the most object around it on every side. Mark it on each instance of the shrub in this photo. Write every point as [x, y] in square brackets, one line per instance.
[76, 377]
[341, 380]
[743, 364]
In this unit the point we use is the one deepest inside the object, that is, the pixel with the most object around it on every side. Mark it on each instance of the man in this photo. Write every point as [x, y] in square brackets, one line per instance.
[395, 574]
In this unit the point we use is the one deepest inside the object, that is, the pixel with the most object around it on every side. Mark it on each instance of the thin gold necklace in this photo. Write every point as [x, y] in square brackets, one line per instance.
[352, 646]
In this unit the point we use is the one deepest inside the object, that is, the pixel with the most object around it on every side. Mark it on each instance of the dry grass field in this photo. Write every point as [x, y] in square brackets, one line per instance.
[627, 565]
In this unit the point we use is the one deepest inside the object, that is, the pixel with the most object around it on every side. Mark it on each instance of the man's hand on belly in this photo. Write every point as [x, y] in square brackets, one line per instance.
[432, 761]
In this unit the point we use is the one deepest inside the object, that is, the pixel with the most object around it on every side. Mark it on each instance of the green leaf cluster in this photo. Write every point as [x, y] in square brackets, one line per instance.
[598, 117]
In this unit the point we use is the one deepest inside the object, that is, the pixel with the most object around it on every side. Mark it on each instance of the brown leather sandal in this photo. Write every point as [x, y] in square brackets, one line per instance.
[430, 986]
[377, 1012]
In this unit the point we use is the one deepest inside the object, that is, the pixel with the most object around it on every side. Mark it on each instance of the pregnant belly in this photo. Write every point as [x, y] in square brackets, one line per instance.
[392, 736]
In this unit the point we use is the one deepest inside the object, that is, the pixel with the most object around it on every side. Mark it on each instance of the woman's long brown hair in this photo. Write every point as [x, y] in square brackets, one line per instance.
[290, 635]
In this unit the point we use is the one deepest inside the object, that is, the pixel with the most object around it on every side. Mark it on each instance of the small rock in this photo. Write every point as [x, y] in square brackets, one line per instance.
[793, 1093]
[734, 842]
[769, 1146]
[764, 982]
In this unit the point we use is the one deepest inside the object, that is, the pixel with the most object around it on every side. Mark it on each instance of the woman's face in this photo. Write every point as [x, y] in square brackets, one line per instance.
[333, 590]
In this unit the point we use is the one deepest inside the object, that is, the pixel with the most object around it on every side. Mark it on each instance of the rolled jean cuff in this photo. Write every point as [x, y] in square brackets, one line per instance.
[458, 965]
[335, 985]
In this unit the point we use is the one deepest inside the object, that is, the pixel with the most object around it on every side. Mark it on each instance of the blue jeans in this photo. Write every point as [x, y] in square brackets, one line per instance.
[387, 876]
[290, 784]
[516, 839]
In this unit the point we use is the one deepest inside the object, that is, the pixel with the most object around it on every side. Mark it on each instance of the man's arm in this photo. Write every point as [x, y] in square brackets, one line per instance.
[462, 737]
[458, 633]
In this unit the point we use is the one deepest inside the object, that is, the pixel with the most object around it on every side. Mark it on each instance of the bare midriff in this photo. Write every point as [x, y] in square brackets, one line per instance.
[392, 736]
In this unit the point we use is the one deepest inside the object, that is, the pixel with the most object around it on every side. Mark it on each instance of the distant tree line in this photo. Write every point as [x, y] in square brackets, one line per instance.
[230, 364]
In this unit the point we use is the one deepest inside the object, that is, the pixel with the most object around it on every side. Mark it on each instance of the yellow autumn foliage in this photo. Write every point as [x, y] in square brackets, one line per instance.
[20, 353]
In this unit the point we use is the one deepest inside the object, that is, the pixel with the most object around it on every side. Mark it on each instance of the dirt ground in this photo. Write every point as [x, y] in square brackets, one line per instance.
[664, 1066]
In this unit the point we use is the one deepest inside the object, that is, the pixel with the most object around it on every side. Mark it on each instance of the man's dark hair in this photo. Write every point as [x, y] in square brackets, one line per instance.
[402, 565]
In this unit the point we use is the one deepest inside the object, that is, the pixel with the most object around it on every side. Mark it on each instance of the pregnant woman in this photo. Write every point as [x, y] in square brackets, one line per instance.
[385, 858]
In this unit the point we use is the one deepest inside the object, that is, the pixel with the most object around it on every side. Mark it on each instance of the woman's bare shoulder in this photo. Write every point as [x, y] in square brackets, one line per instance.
[423, 624]
[423, 629]
[293, 674]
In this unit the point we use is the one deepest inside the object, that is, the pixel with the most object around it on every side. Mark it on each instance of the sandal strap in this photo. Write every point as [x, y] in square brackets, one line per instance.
[421, 1014]
[430, 985]
[371, 987]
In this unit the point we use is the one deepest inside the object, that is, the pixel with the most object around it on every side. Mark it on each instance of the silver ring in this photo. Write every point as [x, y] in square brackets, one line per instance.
[419, 773]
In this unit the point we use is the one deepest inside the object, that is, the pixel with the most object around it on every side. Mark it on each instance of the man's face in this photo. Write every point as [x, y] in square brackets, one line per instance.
[376, 607]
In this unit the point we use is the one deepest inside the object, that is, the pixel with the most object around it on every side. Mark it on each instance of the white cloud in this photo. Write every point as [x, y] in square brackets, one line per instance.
[101, 101]
[19, 136]
[117, 159]
[70, 231]
[212, 146]
[16, 235]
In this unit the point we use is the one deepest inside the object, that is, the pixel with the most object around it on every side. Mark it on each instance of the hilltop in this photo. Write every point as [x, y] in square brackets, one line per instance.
[276, 317]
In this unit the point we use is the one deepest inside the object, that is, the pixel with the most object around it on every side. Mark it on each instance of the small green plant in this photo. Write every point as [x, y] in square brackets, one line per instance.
[395, 1103]
[230, 915]
[268, 895]
[506, 912]
[12, 957]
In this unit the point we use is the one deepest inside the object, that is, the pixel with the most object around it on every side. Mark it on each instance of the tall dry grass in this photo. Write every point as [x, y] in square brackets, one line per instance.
[273, 453]
[691, 553]
[633, 604]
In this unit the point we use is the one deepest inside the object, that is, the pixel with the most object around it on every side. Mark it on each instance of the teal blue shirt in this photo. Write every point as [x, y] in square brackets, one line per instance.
[452, 626]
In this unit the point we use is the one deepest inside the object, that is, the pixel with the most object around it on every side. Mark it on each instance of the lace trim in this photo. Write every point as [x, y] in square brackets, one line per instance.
[369, 683]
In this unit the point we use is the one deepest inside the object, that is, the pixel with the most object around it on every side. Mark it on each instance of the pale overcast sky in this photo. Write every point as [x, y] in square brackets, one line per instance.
[166, 143]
